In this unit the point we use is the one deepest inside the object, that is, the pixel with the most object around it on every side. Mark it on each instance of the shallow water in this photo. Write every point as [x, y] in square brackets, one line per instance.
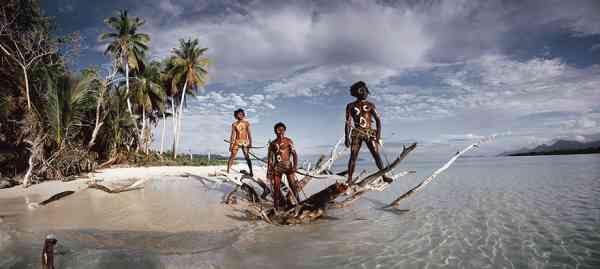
[517, 212]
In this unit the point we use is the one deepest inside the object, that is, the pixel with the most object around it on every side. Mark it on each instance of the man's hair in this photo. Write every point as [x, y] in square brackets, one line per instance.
[356, 86]
[279, 124]
[239, 111]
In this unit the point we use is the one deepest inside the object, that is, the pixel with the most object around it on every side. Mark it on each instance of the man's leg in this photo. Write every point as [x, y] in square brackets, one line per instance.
[291, 178]
[277, 191]
[234, 150]
[374, 149]
[246, 152]
[354, 150]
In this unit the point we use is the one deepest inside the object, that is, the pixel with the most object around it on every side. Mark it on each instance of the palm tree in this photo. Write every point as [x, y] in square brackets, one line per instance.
[149, 94]
[186, 69]
[68, 101]
[127, 46]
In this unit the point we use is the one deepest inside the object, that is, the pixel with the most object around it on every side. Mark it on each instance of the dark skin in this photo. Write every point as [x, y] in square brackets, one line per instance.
[282, 160]
[240, 137]
[359, 115]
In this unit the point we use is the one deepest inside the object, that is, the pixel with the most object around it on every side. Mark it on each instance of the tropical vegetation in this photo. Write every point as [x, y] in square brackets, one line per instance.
[56, 122]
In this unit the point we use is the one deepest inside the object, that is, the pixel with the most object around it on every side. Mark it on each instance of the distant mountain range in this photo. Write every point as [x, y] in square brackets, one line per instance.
[557, 148]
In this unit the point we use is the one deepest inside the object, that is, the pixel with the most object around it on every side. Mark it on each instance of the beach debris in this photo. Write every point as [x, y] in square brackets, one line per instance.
[134, 186]
[421, 185]
[323, 166]
[52, 198]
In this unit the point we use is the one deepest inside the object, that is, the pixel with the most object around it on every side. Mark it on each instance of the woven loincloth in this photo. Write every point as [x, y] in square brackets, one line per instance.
[362, 134]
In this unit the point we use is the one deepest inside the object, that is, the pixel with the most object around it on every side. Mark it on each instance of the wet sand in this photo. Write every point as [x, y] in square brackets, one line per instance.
[172, 199]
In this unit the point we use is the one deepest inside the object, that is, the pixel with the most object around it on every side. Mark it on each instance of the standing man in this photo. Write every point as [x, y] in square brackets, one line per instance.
[359, 117]
[279, 164]
[240, 137]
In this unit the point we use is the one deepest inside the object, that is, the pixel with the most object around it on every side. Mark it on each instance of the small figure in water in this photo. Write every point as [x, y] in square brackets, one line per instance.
[240, 137]
[48, 252]
[362, 112]
[279, 164]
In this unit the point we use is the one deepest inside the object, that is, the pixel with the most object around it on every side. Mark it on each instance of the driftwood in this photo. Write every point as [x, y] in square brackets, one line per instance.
[314, 207]
[306, 211]
[250, 193]
[131, 187]
[56, 197]
[421, 185]
[378, 185]
[373, 181]
[369, 179]
[323, 165]
[52, 198]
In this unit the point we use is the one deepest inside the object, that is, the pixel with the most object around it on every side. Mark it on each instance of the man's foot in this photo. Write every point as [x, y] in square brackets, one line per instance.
[387, 179]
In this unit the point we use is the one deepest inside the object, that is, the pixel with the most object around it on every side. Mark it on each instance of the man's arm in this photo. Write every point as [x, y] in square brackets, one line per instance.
[269, 161]
[348, 126]
[232, 136]
[294, 155]
[377, 123]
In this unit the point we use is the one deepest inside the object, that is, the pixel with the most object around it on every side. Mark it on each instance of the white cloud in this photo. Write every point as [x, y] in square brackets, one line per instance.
[326, 80]
[267, 43]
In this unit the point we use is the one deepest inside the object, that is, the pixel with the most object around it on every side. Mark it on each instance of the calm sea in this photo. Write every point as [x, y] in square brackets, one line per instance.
[506, 212]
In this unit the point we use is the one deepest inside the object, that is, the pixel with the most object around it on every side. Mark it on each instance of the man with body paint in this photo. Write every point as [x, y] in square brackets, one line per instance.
[359, 116]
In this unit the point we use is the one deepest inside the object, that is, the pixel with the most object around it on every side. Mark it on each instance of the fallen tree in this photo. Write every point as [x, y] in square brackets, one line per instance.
[315, 206]
[421, 185]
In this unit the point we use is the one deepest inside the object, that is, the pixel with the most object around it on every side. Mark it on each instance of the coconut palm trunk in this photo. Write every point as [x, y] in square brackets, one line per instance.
[174, 149]
[142, 132]
[180, 116]
[162, 135]
[126, 63]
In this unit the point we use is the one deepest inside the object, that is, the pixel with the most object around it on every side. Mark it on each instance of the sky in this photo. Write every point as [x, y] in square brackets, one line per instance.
[441, 73]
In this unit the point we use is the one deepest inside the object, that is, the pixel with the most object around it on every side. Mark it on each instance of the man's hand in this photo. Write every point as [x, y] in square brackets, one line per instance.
[347, 142]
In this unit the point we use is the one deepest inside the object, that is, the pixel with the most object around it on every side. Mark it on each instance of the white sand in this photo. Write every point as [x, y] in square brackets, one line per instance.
[174, 198]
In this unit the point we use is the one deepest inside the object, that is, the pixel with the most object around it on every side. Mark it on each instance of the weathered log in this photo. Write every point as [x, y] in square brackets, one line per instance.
[358, 192]
[320, 199]
[56, 197]
[369, 179]
[326, 165]
[53, 198]
[421, 185]
[230, 197]
[131, 187]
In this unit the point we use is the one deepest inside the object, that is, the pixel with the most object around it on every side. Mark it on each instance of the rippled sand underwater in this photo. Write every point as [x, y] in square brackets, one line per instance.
[519, 212]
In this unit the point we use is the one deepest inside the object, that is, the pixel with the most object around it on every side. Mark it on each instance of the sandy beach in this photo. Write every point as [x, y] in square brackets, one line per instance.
[170, 199]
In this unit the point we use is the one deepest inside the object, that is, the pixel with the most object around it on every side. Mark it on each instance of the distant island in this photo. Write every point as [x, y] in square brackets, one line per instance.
[560, 147]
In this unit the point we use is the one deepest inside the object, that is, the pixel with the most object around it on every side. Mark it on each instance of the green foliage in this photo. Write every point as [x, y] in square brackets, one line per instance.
[154, 159]
[148, 91]
[186, 64]
[68, 100]
[125, 42]
[69, 111]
